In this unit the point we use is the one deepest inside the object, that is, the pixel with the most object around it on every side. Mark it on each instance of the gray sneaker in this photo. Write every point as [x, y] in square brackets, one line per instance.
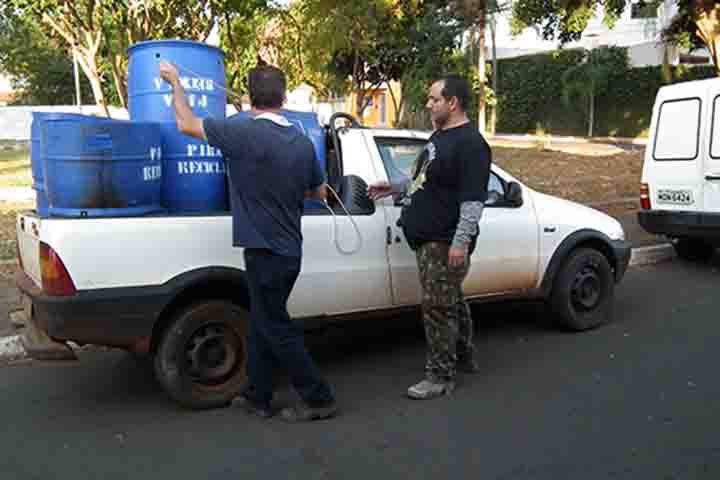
[428, 389]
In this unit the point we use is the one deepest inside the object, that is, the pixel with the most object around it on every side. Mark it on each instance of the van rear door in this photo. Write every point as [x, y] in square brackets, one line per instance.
[711, 170]
[673, 158]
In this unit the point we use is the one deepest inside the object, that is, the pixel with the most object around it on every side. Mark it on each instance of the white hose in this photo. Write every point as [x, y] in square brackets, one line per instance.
[335, 230]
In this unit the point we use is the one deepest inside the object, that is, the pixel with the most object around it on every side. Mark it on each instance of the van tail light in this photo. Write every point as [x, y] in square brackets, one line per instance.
[55, 279]
[645, 196]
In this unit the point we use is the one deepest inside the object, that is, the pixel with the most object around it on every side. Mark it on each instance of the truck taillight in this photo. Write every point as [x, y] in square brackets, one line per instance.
[645, 196]
[55, 279]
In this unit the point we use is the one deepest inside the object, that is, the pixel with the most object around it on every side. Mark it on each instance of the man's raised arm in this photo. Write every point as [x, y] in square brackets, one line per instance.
[187, 122]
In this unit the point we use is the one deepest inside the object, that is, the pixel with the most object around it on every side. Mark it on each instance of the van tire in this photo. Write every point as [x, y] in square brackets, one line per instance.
[202, 355]
[583, 290]
[693, 249]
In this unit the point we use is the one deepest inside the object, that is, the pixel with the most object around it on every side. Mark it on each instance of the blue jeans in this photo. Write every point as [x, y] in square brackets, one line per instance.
[274, 339]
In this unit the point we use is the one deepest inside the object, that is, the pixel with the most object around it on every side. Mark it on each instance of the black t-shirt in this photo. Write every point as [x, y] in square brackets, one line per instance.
[453, 168]
[270, 167]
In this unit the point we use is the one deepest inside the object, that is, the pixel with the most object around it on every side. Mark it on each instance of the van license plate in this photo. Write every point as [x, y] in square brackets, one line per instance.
[675, 197]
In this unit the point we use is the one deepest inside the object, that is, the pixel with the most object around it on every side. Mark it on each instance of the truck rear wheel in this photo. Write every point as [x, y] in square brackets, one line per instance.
[693, 249]
[583, 290]
[201, 357]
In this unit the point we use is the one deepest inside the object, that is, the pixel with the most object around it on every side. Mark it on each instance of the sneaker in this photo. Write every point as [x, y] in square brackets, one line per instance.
[428, 389]
[252, 407]
[467, 365]
[306, 413]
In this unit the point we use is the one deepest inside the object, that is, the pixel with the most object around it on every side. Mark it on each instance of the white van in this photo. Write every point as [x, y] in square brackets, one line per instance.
[680, 191]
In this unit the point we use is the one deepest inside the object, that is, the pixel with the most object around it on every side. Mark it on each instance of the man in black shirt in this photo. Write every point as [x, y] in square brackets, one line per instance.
[267, 210]
[443, 205]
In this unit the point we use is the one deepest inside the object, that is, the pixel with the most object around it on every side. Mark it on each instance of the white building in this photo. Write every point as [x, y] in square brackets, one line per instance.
[639, 30]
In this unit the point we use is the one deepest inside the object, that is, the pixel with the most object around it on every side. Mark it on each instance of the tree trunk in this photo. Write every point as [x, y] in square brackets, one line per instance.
[591, 115]
[482, 12]
[493, 113]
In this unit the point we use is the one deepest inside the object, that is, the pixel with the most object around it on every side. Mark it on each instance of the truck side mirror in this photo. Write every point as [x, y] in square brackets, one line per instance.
[353, 193]
[513, 196]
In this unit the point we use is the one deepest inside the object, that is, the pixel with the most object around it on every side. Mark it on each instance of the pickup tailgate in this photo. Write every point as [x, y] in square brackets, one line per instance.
[28, 236]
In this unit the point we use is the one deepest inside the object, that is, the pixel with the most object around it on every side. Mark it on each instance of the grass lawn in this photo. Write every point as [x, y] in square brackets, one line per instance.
[582, 177]
[15, 168]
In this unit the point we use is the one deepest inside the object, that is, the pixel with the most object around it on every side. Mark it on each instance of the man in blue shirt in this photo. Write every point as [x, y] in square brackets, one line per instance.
[272, 169]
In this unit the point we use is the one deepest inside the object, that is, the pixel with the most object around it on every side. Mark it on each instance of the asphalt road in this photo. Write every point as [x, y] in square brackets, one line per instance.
[636, 399]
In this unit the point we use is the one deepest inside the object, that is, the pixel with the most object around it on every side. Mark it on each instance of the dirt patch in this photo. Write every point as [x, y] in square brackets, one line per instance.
[584, 178]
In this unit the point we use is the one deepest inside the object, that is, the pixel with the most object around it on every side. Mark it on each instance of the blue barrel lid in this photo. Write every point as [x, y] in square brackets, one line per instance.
[170, 43]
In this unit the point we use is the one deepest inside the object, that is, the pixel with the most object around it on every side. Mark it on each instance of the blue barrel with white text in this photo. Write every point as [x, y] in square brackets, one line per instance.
[111, 168]
[194, 179]
[37, 157]
[202, 74]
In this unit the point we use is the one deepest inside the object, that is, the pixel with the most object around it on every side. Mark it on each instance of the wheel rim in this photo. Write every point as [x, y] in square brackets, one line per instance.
[586, 289]
[213, 354]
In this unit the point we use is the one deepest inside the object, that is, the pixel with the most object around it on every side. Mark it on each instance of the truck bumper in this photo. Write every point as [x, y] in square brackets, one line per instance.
[121, 318]
[681, 224]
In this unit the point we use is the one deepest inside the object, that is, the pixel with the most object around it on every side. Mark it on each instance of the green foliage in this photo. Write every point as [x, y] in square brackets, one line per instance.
[531, 94]
[41, 70]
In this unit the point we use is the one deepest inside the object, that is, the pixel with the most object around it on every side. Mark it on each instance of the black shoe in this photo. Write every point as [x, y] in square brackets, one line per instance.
[306, 413]
[252, 407]
[467, 365]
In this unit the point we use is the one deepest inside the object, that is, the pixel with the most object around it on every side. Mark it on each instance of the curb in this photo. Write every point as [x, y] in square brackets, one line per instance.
[11, 348]
[652, 254]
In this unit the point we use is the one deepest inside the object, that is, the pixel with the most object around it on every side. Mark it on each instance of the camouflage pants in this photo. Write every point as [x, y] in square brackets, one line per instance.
[446, 314]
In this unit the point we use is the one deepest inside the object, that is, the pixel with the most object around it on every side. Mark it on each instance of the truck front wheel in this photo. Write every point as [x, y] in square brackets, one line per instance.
[201, 357]
[583, 290]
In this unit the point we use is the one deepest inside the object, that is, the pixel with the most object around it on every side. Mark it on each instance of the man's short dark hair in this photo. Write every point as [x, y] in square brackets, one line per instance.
[456, 86]
[267, 86]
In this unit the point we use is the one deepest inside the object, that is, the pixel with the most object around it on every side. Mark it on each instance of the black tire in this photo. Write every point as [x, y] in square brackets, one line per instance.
[583, 290]
[201, 357]
[693, 249]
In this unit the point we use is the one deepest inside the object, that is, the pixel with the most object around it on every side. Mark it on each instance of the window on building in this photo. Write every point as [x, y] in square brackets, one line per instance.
[643, 10]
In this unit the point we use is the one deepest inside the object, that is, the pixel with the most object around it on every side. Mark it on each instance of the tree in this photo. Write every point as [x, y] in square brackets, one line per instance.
[591, 78]
[100, 31]
[696, 24]
[40, 69]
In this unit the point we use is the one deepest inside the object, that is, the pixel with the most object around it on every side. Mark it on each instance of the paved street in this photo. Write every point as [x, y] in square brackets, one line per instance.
[637, 399]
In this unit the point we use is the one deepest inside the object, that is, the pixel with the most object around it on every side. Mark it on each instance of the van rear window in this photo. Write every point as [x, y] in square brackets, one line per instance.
[678, 131]
[715, 137]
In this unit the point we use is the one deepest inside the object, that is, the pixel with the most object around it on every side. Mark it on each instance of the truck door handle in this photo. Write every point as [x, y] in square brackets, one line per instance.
[712, 176]
[388, 235]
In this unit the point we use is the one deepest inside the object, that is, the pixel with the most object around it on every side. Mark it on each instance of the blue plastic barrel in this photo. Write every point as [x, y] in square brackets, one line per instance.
[111, 168]
[307, 123]
[202, 74]
[194, 176]
[37, 157]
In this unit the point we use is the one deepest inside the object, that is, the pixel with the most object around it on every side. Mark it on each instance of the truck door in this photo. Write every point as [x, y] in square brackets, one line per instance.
[506, 256]
[332, 282]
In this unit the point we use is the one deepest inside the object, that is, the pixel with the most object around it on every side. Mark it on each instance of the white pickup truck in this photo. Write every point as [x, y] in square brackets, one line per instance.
[174, 287]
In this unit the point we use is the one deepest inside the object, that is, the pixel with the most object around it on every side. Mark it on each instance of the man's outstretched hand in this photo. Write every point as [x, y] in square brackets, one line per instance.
[168, 72]
[379, 190]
